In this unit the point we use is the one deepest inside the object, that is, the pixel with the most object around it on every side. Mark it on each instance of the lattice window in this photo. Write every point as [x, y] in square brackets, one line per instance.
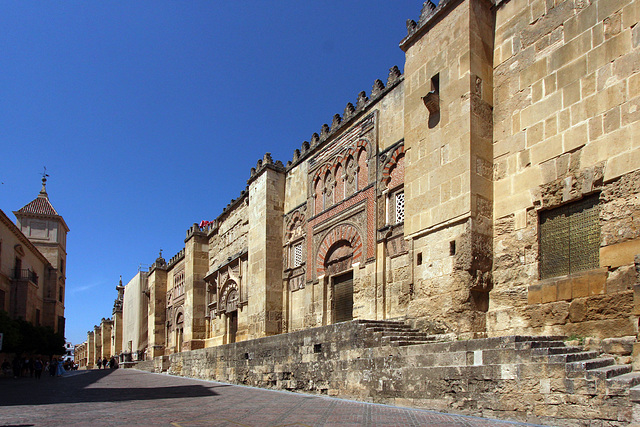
[570, 238]
[178, 283]
[399, 207]
[297, 255]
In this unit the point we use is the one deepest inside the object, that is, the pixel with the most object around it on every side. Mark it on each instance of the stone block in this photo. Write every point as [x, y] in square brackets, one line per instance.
[577, 310]
[595, 128]
[636, 366]
[547, 149]
[534, 295]
[608, 51]
[630, 111]
[575, 137]
[549, 292]
[535, 72]
[621, 279]
[581, 22]
[579, 287]
[572, 72]
[565, 290]
[571, 94]
[541, 110]
[609, 7]
[596, 283]
[611, 120]
[636, 300]
[619, 254]
[622, 346]
[570, 51]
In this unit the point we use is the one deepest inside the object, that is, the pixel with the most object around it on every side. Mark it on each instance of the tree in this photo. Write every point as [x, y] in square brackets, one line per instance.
[21, 336]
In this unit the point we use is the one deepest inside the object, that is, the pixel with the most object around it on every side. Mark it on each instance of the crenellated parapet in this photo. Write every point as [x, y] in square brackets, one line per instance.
[427, 15]
[232, 205]
[350, 114]
[194, 230]
[175, 259]
[265, 163]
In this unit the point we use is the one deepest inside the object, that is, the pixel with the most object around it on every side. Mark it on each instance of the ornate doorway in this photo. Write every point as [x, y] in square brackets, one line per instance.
[179, 332]
[338, 265]
[229, 303]
[233, 325]
[343, 297]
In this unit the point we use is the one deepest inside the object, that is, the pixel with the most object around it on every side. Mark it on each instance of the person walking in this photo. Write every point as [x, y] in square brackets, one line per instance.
[53, 367]
[99, 363]
[37, 368]
[104, 363]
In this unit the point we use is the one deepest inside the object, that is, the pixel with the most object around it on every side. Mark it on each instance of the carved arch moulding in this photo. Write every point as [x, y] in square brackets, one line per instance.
[391, 163]
[229, 297]
[342, 238]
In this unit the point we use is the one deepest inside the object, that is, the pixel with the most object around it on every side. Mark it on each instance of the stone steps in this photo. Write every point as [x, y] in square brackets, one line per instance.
[608, 372]
[396, 333]
[555, 350]
[579, 364]
[571, 357]
[580, 368]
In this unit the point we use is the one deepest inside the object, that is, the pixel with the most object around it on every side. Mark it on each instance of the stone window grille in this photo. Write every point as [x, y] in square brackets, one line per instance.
[178, 283]
[570, 238]
[400, 207]
[297, 255]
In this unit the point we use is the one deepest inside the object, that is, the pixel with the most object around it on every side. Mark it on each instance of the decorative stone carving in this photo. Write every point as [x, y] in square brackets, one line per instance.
[349, 110]
[335, 123]
[378, 87]
[324, 132]
[362, 100]
[394, 75]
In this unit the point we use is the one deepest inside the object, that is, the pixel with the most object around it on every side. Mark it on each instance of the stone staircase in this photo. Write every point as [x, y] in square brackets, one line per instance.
[582, 371]
[585, 368]
[398, 333]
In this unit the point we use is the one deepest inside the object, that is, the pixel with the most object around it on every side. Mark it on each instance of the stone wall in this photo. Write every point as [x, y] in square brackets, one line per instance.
[505, 377]
[566, 126]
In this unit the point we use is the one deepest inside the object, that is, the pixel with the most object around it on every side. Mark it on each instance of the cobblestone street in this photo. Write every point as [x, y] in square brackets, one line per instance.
[129, 397]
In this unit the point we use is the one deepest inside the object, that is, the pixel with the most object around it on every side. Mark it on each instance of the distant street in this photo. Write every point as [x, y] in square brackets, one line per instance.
[129, 397]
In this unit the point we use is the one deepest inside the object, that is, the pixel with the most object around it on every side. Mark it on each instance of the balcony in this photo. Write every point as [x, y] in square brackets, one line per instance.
[25, 274]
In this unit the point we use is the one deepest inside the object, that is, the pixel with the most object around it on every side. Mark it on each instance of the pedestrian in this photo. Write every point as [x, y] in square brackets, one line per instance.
[26, 367]
[104, 363]
[112, 362]
[17, 367]
[37, 368]
[53, 367]
[60, 368]
[99, 363]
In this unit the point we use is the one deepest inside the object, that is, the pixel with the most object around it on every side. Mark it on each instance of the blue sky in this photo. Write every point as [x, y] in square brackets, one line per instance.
[150, 114]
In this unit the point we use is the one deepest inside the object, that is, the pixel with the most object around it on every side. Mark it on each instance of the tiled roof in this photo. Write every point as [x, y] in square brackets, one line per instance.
[40, 206]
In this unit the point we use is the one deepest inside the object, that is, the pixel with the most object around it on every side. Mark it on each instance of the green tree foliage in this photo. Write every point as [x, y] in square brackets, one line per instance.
[21, 336]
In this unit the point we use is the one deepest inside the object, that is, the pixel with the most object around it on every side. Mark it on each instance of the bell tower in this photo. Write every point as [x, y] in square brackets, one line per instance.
[47, 230]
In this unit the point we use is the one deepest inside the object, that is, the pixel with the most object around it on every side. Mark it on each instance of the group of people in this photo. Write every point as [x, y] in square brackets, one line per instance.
[33, 367]
[111, 363]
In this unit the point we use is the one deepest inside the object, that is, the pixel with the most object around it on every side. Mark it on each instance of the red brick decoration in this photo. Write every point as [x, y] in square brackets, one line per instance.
[394, 169]
[343, 232]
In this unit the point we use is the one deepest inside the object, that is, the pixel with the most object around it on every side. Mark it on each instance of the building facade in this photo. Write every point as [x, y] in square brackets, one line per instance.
[492, 189]
[32, 263]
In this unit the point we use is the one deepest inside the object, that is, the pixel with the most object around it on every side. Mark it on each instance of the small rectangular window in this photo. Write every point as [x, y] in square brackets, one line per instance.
[399, 207]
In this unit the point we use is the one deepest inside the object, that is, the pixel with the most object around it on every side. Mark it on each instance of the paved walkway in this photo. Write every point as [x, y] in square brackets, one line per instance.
[129, 397]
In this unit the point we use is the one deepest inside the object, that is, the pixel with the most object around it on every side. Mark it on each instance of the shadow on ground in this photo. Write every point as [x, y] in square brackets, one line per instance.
[81, 387]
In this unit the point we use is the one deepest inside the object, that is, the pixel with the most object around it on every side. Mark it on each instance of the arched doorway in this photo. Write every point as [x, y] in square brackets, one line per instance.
[179, 331]
[338, 266]
[229, 302]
